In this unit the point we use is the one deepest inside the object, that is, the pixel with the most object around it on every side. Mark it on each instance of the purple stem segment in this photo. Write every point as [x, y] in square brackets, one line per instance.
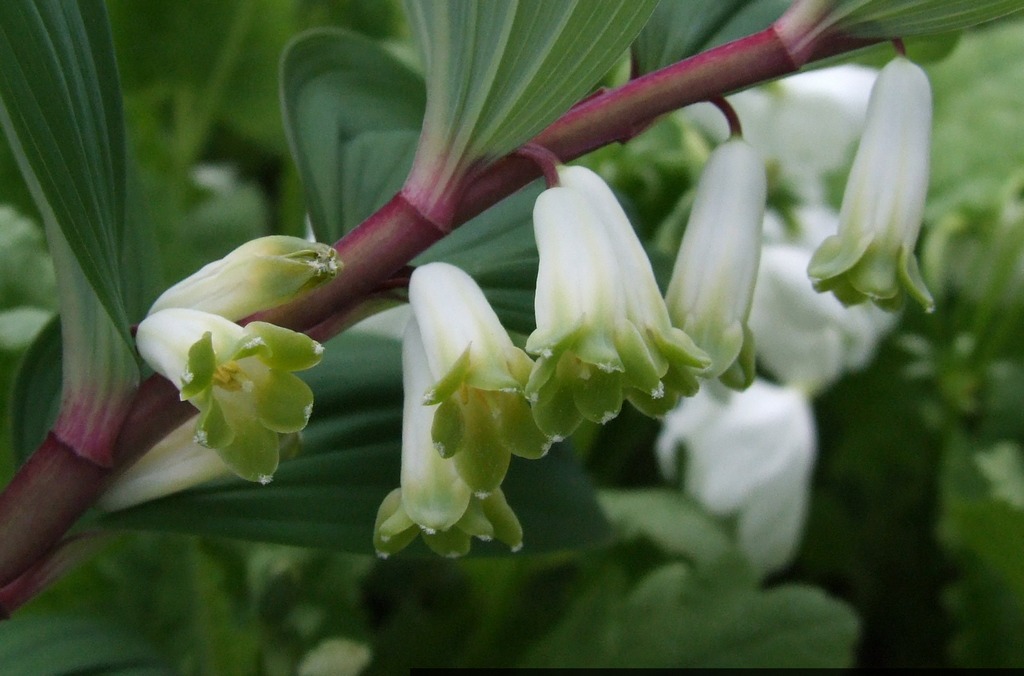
[56, 486]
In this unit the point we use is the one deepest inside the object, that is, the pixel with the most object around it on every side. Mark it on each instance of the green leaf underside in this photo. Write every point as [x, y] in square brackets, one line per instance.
[35, 393]
[337, 85]
[49, 644]
[678, 30]
[888, 18]
[501, 72]
[328, 496]
[62, 113]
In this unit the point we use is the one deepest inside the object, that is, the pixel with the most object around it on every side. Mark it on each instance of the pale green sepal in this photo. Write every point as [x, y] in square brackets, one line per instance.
[252, 454]
[519, 431]
[741, 372]
[212, 428]
[393, 530]
[450, 381]
[642, 369]
[555, 410]
[451, 543]
[598, 398]
[913, 281]
[483, 460]
[653, 407]
[507, 528]
[832, 258]
[474, 522]
[283, 402]
[448, 428]
[201, 364]
[285, 349]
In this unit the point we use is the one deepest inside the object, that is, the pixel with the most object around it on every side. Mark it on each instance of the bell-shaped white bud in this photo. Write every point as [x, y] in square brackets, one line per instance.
[713, 279]
[872, 256]
[260, 274]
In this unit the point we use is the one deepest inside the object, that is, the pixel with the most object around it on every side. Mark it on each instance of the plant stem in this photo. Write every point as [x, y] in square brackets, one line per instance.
[56, 486]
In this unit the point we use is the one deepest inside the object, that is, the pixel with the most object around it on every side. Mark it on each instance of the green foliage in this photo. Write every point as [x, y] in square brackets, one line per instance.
[62, 645]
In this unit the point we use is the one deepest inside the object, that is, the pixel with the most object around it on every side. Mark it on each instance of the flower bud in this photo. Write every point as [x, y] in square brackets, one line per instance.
[713, 279]
[258, 275]
[872, 256]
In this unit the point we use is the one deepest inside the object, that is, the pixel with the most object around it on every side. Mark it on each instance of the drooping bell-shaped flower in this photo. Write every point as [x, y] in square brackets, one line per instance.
[477, 378]
[260, 274]
[433, 498]
[603, 332]
[713, 279]
[872, 256]
[240, 379]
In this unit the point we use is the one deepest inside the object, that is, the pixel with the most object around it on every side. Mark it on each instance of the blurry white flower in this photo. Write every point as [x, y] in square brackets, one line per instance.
[749, 455]
[804, 125]
[804, 338]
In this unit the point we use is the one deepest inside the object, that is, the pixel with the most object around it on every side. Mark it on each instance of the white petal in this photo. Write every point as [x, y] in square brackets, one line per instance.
[165, 337]
[433, 493]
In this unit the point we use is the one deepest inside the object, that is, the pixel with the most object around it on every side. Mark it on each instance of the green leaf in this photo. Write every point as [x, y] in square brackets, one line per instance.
[337, 85]
[670, 520]
[35, 393]
[676, 617]
[496, 248]
[56, 644]
[899, 18]
[499, 72]
[994, 531]
[976, 139]
[328, 497]
[681, 29]
[62, 115]
[61, 110]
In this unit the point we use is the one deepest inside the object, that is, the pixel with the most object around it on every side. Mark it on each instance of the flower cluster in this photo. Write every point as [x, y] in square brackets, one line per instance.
[240, 378]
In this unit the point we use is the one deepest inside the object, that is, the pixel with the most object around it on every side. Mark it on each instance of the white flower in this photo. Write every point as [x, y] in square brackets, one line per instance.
[476, 376]
[433, 498]
[603, 332]
[872, 256]
[260, 274]
[749, 455]
[713, 278]
[238, 377]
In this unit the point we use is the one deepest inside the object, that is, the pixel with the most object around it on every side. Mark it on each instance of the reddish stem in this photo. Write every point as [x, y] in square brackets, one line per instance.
[735, 128]
[55, 486]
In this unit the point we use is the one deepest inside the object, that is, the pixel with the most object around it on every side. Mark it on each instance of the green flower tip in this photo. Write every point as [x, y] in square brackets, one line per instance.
[485, 518]
[240, 379]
